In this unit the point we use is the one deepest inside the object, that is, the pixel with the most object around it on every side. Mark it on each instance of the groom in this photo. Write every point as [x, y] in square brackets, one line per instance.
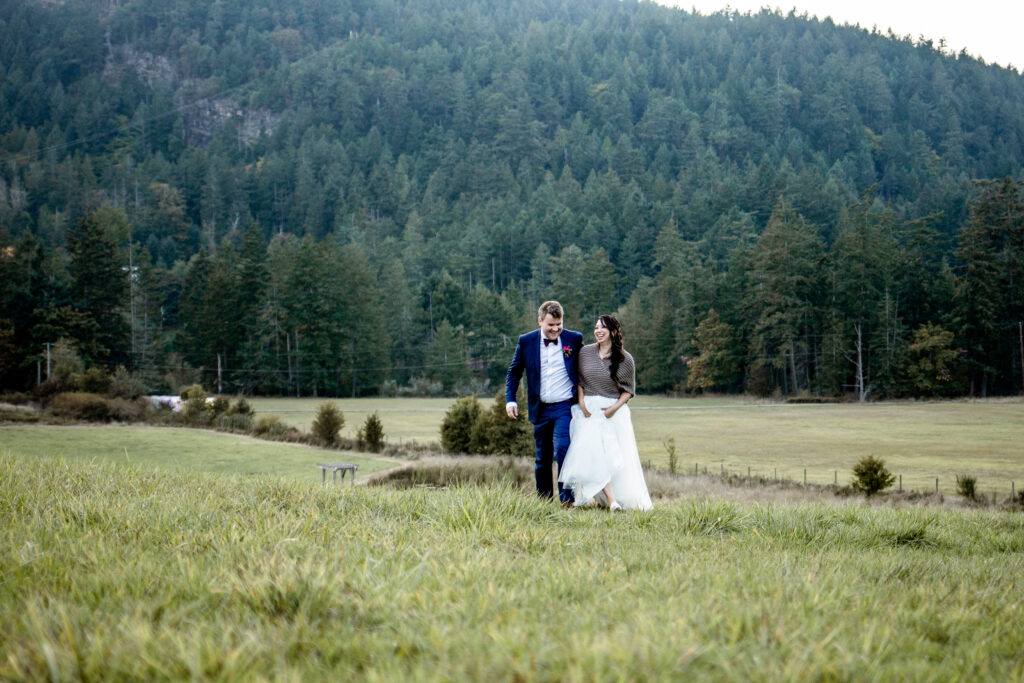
[548, 355]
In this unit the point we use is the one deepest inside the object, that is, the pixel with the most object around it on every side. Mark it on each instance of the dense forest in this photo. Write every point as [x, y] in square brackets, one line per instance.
[350, 197]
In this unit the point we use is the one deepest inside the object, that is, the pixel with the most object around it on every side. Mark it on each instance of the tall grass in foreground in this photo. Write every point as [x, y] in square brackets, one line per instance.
[124, 572]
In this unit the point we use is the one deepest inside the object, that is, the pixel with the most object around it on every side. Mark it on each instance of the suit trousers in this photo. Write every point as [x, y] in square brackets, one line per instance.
[551, 432]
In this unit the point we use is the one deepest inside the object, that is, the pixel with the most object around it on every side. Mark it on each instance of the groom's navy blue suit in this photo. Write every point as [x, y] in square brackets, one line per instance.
[550, 420]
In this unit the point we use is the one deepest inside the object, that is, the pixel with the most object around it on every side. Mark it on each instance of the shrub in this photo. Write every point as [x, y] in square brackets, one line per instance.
[16, 413]
[967, 486]
[328, 423]
[271, 427]
[870, 476]
[80, 406]
[65, 362]
[94, 381]
[422, 386]
[235, 422]
[240, 407]
[457, 425]
[497, 434]
[673, 458]
[196, 410]
[219, 406]
[125, 410]
[371, 434]
[124, 385]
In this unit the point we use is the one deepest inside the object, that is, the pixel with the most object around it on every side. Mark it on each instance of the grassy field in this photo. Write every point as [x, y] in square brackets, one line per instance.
[185, 449]
[127, 572]
[919, 440]
[404, 419]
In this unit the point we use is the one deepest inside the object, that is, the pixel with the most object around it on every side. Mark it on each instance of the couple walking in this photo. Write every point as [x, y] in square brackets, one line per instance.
[577, 403]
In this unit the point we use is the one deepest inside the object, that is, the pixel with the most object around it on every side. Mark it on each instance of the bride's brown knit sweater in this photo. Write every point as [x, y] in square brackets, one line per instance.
[595, 374]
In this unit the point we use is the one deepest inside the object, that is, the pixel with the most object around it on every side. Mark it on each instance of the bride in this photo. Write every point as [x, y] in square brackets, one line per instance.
[602, 456]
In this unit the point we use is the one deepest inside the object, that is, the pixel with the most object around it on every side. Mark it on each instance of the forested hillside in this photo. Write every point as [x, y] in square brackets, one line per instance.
[363, 196]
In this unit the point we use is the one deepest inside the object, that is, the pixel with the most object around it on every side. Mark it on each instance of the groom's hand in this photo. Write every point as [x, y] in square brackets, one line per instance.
[512, 410]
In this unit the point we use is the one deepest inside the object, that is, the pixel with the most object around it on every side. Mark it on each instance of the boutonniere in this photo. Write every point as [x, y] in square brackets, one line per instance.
[567, 351]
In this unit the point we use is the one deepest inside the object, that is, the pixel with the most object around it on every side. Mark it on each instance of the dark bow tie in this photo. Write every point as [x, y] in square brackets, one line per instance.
[549, 341]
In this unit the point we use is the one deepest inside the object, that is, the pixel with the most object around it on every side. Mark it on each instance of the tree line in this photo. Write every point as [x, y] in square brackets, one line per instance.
[880, 312]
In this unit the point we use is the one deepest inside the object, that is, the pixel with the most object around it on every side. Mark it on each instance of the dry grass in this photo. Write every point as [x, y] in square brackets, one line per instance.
[440, 471]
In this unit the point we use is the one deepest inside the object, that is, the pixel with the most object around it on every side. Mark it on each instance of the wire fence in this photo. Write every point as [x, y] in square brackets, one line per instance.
[994, 489]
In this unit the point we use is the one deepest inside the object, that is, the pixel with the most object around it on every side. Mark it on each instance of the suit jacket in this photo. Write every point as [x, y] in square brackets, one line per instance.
[527, 357]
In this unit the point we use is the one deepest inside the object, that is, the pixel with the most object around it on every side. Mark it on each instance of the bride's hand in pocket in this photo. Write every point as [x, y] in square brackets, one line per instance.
[586, 413]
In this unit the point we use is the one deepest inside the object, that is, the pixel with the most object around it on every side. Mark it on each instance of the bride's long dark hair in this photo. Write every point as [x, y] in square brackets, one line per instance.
[615, 334]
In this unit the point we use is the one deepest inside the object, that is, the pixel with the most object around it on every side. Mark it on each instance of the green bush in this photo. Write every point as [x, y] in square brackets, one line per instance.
[195, 411]
[240, 407]
[371, 434]
[967, 486]
[271, 427]
[496, 434]
[219, 406]
[124, 385]
[673, 457]
[457, 425]
[870, 476]
[235, 422]
[328, 423]
[65, 363]
[94, 381]
[80, 406]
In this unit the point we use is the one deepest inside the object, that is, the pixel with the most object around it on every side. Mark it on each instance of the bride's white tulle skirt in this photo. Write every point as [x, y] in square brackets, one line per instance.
[603, 450]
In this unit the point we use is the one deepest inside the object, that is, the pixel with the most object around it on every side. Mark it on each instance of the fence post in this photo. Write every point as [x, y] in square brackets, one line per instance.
[776, 474]
[901, 483]
[805, 476]
[936, 484]
[748, 471]
[835, 477]
[722, 471]
[695, 471]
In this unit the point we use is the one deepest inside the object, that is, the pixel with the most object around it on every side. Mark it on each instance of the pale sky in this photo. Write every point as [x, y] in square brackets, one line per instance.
[989, 29]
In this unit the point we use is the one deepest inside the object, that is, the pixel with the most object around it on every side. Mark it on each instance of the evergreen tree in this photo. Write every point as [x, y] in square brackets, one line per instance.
[99, 281]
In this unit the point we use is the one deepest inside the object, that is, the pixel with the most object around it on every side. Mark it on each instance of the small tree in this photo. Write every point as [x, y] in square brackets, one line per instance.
[371, 434]
[328, 423]
[870, 476]
[967, 486]
[673, 458]
[66, 362]
[715, 364]
[457, 425]
[930, 362]
[124, 385]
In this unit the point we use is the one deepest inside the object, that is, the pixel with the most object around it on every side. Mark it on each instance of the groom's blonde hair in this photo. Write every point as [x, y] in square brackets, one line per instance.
[552, 308]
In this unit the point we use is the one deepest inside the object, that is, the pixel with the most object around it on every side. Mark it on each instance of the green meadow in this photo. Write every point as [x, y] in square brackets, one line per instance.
[918, 440]
[116, 571]
[180, 449]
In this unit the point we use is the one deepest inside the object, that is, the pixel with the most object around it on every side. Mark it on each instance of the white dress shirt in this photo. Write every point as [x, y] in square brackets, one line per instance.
[554, 379]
